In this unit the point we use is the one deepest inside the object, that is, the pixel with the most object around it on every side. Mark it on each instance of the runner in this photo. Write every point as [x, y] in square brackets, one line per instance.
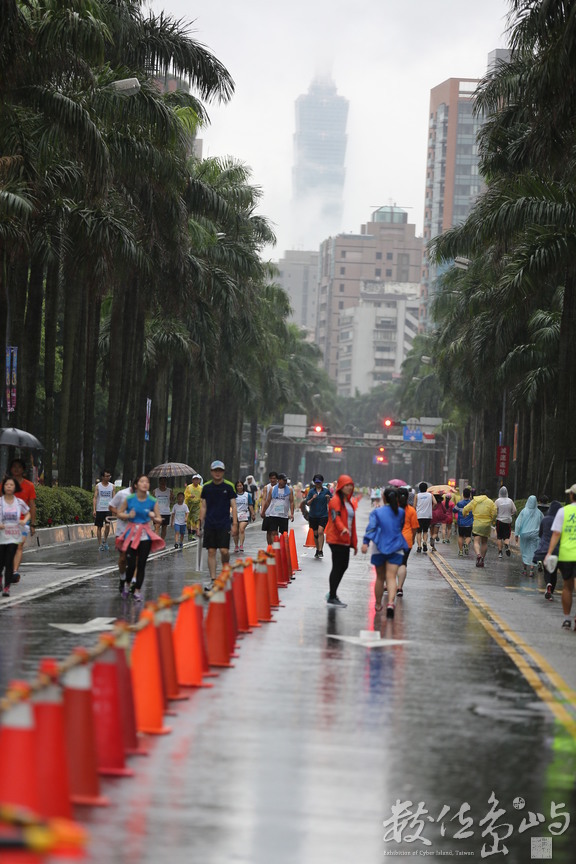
[545, 532]
[316, 503]
[138, 539]
[114, 507]
[245, 511]
[165, 499]
[27, 494]
[279, 506]
[527, 529]
[506, 510]
[14, 514]
[385, 532]
[341, 535]
[484, 511]
[192, 498]
[423, 503]
[218, 500]
[178, 519]
[464, 523]
[272, 481]
[564, 531]
[103, 494]
[409, 532]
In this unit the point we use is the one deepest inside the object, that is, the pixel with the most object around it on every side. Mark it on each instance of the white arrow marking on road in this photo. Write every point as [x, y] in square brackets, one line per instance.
[369, 642]
[95, 625]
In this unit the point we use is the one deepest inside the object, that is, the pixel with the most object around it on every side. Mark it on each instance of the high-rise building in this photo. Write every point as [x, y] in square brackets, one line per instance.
[319, 163]
[298, 275]
[453, 182]
[386, 251]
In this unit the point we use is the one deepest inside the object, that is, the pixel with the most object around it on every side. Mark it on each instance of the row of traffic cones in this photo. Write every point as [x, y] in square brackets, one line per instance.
[85, 716]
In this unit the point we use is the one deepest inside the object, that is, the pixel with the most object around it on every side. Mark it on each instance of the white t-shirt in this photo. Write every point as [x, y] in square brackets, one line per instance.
[267, 489]
[424, 505]
[506, 510]
[180, 513]
[104, 495]
[243, 501]
[119, 497]
[10, 515]
[280, 503]
[558, 522]
[163, 498]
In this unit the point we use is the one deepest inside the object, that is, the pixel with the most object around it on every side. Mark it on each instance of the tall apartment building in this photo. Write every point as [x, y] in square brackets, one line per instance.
[298, 275]
[453, 182]
[386, 251]
[319, 170]
[374, 338]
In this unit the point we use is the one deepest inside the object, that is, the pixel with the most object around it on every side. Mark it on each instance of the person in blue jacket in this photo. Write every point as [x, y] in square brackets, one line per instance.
[385, 532]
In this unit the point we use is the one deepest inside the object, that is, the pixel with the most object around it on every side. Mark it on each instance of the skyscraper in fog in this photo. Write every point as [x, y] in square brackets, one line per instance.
[319, 158]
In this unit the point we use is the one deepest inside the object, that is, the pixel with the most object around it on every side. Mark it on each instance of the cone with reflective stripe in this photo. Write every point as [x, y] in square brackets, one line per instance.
[163, 622]
[239, 591]
[81, 735]
[132, 743]
[217, 631]
[262, 592]
[270, 561]
[288, 572]
[250, 588]
[225, 583]
[293, 552]
[147, 678]
[51, 755]
[310, 542]
[280, 565]
[18, 776]
[107, 714]
[188, 634]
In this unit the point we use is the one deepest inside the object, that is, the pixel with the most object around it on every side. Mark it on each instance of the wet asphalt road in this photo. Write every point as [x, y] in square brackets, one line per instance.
[300, 753]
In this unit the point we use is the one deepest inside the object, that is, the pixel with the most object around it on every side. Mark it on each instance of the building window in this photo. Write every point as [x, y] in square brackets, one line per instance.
[389, 256]
[341, 288]
[341, 304]
[343, 253]
[378, 271]
[388, 272]
[342, 271]
[378, 256]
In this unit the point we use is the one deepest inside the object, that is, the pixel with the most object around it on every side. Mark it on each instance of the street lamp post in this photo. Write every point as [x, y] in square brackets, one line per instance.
[263, 455]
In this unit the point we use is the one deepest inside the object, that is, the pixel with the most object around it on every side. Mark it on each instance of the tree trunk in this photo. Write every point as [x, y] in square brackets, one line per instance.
[92, 334]
[72, 411]
[30, 353]
[50, 328]
[564, 437]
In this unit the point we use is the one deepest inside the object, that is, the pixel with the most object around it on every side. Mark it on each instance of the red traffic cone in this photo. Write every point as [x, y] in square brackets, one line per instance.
[250, 587]
[81, 735]
[293, 552]
[18, 775]
[132, 744]
[51, 755]
[286, 557]
[240, 603]
[270, 562]
[217, 631]
[107, 714]
[310, 542]
[188, 634]
[280, 565]
[147, 679]
[163, 621]
[262, 592]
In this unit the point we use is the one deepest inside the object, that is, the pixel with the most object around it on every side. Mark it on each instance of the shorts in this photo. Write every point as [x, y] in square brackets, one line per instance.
[503, 530]
[465, 530]
[165, 519]
[567, 569]
[179, 529]
[277, 523]
[265, 523]
[424, 524]
[101, 517]
[395, 558]
[316, 522]
[216, 538]
[481, 530]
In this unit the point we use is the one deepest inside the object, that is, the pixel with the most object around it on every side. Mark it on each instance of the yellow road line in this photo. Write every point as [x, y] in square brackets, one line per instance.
[562, 704]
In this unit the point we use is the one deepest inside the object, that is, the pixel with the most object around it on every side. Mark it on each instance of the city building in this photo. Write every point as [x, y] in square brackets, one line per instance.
[319, 171]
[386, 251]
[453, 182]
[375, 337]
[298, 275]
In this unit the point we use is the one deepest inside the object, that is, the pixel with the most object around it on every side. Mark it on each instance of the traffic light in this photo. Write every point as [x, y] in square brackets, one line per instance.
[337, 449]
[387, 422]
[317, 430]
[381, 449]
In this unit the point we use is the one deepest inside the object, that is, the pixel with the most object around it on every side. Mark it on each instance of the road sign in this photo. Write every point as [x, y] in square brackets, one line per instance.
[412, 433]
[502, 461]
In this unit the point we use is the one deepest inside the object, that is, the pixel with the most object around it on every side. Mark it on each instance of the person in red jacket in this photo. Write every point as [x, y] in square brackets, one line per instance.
[341, 535]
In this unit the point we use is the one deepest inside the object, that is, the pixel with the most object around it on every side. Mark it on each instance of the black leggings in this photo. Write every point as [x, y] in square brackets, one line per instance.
[7, 552]
[340, 561]
[138, 557]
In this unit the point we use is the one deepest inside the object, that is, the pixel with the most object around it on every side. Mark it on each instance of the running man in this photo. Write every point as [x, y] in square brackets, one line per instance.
[317, 503]
[506, 512]
[103, 494]
[272, 481]
[218, 501]
[564, 530]
[464, 524]
[423, 503]
[279, 506]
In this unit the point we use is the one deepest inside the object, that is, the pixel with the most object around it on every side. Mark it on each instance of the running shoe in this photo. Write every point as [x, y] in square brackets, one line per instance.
[316, 554]
[418, 550]
[6, 592]
[176, 545]
[500, 555]
[540, 567]
[241, 548]
[335, 601]
[567, 624]
[432, 546]
[548, 594]
[137, 596]
[106, 547]
[321, 554]
[390, 610]
[102, 548]
[467, 549]
[236, 549]
[479, 561]
[460, 553]
[400, 592]
[508, 551]
[424, 547]
[15, 578]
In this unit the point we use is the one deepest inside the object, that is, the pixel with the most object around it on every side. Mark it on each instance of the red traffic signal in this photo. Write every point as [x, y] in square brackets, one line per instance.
[318, 428]
[388, 422]
[381, 449]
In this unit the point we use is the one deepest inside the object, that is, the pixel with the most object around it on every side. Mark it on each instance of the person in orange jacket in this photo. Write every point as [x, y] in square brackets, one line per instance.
[341, 535]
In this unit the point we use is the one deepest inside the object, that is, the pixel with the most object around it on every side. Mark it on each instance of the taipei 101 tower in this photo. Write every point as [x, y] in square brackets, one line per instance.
[319, 156]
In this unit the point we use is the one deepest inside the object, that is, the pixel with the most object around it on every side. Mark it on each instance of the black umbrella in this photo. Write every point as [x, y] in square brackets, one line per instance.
[12, 437]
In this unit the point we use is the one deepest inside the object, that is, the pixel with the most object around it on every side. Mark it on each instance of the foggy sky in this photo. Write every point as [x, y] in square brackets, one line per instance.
[384, 57]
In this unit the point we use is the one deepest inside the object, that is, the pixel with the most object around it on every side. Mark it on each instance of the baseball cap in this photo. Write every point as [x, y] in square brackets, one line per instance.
[217, 464]
[318, 478]
[194, 476]
[572, 489]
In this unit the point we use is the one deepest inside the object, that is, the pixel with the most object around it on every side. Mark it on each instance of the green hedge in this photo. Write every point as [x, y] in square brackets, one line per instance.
[62, 506]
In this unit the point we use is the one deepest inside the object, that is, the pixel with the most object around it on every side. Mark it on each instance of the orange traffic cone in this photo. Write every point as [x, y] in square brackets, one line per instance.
[206, 671]
[108, 719]
[18, 775]
[147, 679]
[310, 543]
[225, 581]
[81, 735]
[262, 592]
[187, 637]
[217, 631]
[239, 591]
[280, 567]
[293, 552]
[286, 574]
[286, 546]
[132, 744]
[51, 756]
[163, 622]
[270, 562]
[250, 588]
